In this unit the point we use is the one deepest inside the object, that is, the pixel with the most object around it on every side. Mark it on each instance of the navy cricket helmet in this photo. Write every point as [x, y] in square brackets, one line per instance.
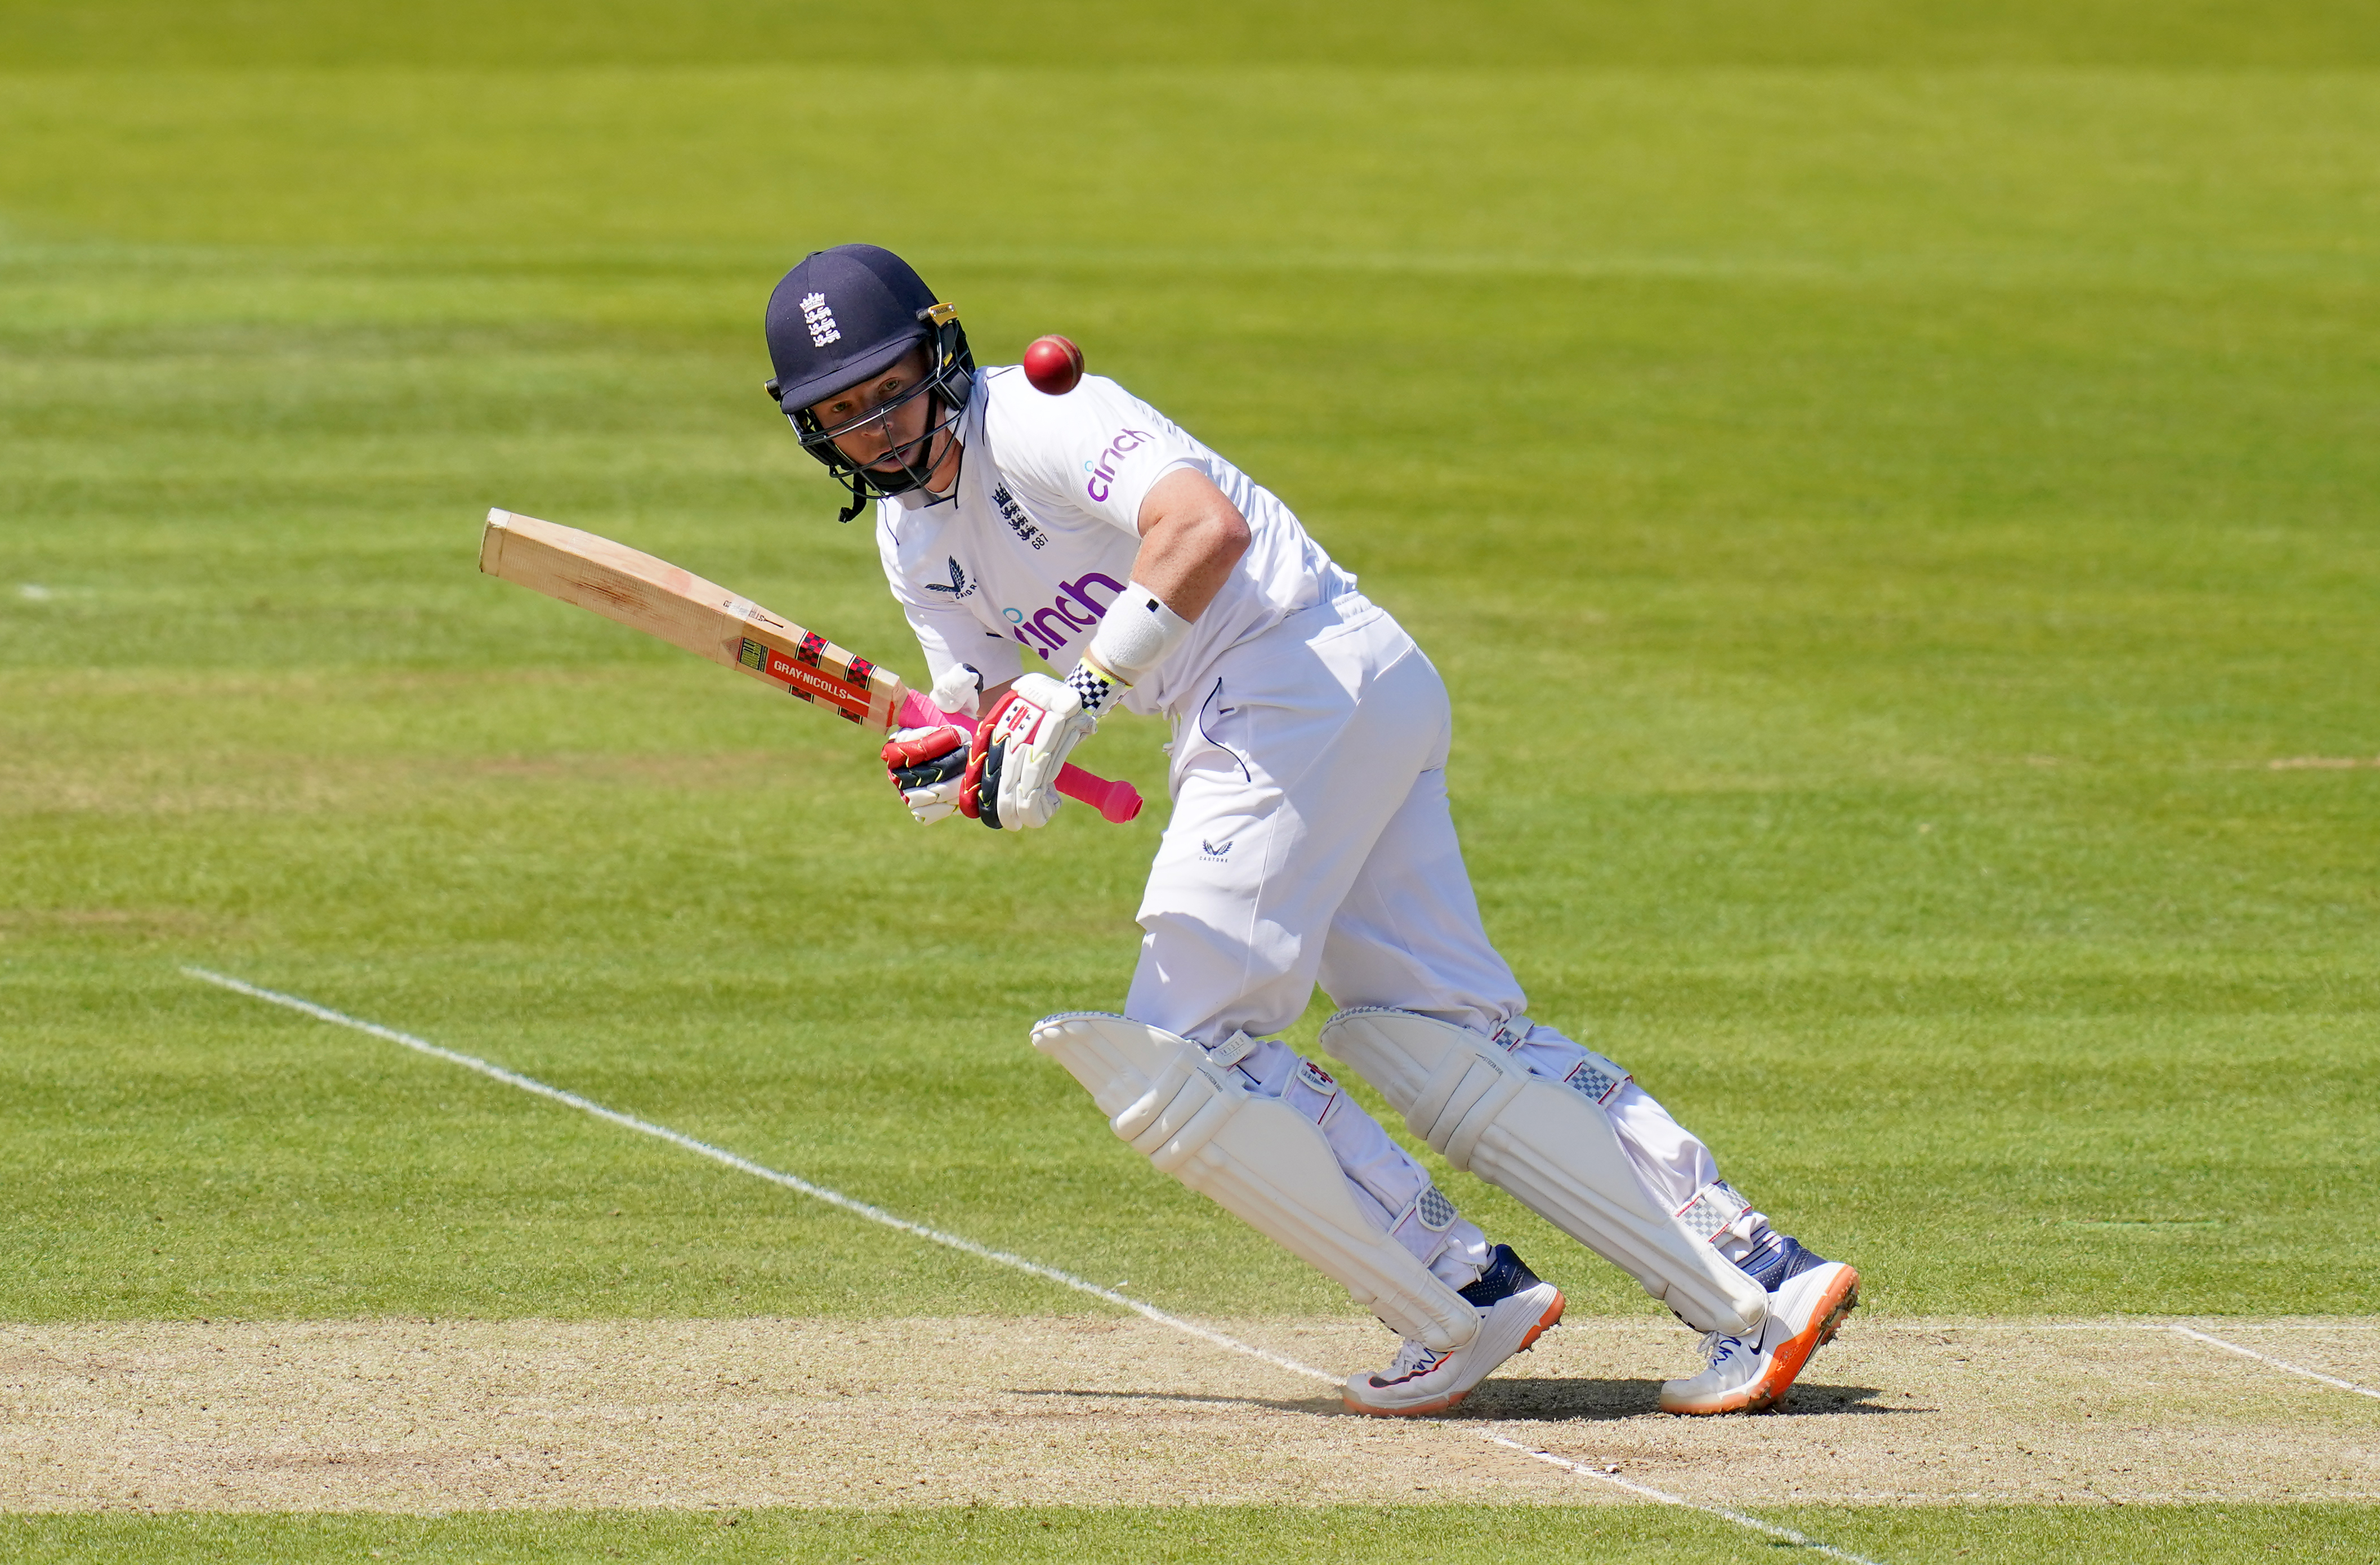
[842, 317]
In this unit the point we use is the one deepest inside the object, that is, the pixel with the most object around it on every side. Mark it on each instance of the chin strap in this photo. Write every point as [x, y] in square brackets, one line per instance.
[860, 499]
[858, 480]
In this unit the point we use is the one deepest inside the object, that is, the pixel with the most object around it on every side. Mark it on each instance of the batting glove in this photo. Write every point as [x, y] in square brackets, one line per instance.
[927, 766]
[1011, 771]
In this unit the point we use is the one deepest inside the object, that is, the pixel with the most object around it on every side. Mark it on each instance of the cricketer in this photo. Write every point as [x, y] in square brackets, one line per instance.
[1310, 843]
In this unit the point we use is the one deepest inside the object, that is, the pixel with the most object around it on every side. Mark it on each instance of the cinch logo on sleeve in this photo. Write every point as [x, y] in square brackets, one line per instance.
[1102, 469]
[820, 320]
[1049, 630]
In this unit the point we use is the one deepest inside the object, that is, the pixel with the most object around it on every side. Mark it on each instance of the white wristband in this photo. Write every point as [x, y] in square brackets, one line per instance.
[1134, 635]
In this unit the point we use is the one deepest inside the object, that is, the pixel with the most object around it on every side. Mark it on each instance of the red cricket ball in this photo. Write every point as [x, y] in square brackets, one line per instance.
[1053, 365]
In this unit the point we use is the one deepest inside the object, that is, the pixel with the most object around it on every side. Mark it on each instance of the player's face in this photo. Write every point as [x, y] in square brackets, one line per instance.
[879, 423]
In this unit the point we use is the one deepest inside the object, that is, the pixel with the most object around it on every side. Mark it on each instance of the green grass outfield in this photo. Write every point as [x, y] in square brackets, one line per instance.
[2184, 1534]
[1886, 491]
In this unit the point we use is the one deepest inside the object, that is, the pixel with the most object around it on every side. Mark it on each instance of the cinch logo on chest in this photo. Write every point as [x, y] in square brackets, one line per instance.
[1103, 469]
[1049, 630]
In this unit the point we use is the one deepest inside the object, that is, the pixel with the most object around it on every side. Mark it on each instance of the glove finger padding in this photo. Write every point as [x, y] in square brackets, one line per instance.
[932, 774]
[980, 799]
[925, 765]
[911, 747]
[929, 804]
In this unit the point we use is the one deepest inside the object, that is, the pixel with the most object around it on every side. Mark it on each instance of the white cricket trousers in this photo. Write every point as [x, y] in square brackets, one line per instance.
[1311, 843]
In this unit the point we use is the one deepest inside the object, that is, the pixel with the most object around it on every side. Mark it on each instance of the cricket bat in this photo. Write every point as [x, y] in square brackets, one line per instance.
[662, 600]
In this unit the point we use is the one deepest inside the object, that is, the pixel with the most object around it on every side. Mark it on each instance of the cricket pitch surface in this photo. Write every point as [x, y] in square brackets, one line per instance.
[396, 1415]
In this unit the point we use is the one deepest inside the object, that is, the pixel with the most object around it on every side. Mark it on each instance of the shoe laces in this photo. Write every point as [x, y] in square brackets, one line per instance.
[1412, 1356]
[1718, 1349]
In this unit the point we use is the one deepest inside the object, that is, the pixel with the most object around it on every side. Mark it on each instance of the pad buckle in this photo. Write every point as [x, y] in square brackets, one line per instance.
[1232, 1050]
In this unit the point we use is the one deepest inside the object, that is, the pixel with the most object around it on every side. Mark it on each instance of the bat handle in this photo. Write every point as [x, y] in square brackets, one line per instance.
[1118, 801]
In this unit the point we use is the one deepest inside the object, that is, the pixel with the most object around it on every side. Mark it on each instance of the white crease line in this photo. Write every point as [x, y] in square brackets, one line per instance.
[1872, 1327]
[934, 1235]
[2171, 1328]
[2276, 1362]
[744, 1164]
[2316, 1325]
[1798, 1539]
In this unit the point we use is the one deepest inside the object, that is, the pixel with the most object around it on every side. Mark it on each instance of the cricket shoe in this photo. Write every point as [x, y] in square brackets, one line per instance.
[1806, 1306]
[1515, 1307]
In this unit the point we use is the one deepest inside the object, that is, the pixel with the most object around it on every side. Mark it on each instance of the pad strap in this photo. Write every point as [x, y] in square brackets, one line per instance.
[1716, 1212]
[1427, 1225]
[1592, 1077]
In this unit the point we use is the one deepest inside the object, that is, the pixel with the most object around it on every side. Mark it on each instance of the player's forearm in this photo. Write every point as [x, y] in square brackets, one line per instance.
[1191, 537]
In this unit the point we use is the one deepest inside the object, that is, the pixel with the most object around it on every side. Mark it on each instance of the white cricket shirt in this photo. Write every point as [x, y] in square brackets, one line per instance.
[1014, 571]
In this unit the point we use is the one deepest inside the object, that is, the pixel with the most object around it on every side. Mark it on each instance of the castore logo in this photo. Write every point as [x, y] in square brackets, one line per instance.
[959, 587]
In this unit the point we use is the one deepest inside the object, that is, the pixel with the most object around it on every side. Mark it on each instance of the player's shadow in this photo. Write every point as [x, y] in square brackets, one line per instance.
[1546, 1401]
[1325, 1402]
[1582, 1401]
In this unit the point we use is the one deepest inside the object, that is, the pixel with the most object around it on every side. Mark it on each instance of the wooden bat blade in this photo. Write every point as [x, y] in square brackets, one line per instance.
[609, 578]
[665, 601]
[652, 595]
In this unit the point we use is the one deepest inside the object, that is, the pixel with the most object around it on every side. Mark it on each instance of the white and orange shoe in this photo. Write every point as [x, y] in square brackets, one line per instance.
[1805, 1309]
[1515, 1308]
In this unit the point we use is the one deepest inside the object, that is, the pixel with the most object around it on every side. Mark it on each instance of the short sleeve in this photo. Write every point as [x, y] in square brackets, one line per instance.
[948, 635]
[950, 638]
[1098, 450]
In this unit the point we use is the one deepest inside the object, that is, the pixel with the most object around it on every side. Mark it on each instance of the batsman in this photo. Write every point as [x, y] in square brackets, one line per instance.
[1078, 527]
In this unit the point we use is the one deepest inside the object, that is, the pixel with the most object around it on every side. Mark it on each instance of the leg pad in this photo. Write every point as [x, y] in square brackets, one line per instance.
[1551, 1146]
[1256, 1158]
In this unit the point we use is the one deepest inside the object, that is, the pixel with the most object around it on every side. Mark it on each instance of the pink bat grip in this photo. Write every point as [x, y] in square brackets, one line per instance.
[1118, 801]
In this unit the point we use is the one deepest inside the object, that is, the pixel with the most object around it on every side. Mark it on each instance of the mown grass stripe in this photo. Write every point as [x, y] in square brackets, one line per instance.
[744, 1164]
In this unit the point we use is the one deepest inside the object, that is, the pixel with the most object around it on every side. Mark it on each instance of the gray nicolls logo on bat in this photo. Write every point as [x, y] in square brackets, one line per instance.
[959, 587]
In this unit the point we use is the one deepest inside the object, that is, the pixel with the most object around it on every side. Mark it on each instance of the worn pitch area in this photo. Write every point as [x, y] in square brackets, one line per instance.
[419, 1416]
